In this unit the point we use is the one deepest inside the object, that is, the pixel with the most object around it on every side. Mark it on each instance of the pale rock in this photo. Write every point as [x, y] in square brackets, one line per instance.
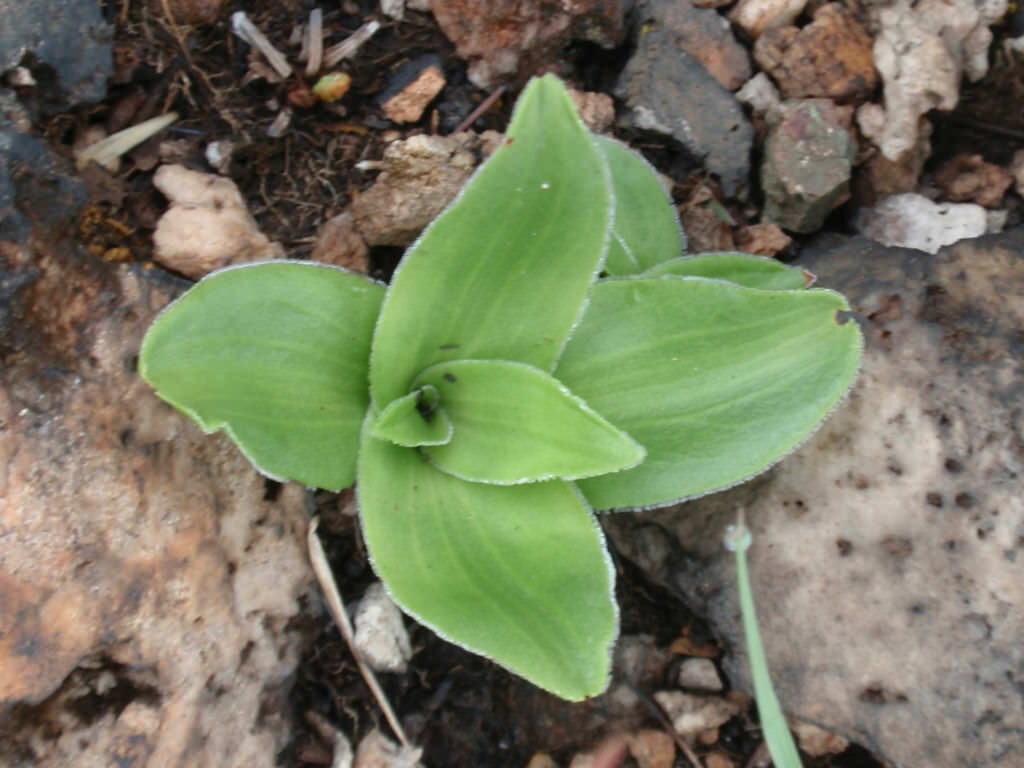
[700, 675]
[218, 155]
[393, 8]
[816, 741]
[913, 221]
[207, 226]
[920, 51]
[381, 638]
[378, 751]
[596, 110]
[652, 748]
[690, 715]
[338, 242]
[421, 176]
[755, 16]
[760, 94]
[542, 760]
[900, 523]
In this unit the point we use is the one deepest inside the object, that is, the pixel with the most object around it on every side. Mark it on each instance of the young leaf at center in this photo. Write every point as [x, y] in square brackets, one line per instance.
[515, 573]
[414, 420]
[513, 423]
[503, 273]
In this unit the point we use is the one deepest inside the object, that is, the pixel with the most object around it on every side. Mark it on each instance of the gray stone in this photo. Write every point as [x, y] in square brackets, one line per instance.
[668, 91]
[45, 188]
[68, 35]
[808, 159]
[704, 34]
[888, 551]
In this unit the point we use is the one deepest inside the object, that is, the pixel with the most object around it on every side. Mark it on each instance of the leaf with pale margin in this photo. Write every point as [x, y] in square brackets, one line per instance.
[740, 268]
[276, 354]
[515, 573]
[715, 380]
[503, 273]
[414, 420]
[514, 423]
[646, 228]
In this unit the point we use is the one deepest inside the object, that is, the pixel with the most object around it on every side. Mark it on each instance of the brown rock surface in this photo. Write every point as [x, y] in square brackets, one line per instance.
[502, 38]
[829, 58]
[339, 243]
[146, 583]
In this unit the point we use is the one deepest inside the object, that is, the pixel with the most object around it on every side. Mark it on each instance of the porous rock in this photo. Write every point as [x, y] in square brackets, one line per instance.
[920, 51]
[207, 226]
[421, 176]
[900, 524]
[501, 37]
[829, 58]
[705, 35]
[412, 88]
[913, 221]
[147, 585]
[668, 91]
[808, 158]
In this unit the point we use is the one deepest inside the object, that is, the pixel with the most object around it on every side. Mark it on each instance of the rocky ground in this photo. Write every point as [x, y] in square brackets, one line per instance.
[157, 606]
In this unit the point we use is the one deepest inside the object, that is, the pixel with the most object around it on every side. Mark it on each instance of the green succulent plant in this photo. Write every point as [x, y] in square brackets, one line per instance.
[542, 351]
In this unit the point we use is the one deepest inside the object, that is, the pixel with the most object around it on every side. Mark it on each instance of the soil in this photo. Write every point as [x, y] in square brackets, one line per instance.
[464, 710]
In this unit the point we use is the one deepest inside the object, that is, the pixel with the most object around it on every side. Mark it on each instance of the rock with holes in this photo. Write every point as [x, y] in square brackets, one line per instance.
[887, 551]
[148, 580]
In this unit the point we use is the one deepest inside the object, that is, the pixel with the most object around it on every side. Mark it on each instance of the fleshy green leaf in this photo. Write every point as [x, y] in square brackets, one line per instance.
[275, 354]
[513, 423]
[715, 380]
[416, 419]
[504, 271]
[740, 268]
[515, 573]
[646, 227]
